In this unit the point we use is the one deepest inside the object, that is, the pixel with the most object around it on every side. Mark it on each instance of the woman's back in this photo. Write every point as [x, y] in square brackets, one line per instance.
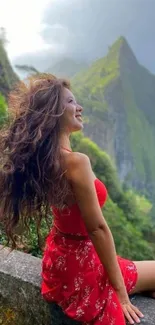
[69, 220]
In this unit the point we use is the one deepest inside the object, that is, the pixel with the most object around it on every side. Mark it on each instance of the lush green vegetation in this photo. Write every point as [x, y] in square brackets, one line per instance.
[3, 110]
[89, 85]
[140, 123]
[127, 213]
[117, 88]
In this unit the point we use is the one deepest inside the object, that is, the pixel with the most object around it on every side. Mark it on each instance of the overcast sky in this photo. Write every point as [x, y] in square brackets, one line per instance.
[23, 22]
[40, 31]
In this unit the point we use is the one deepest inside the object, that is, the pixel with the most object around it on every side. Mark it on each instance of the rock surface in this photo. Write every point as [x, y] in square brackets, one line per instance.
[20, 282]
[146, 306]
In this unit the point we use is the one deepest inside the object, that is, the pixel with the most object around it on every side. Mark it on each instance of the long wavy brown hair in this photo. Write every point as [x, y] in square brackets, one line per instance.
[31, 175]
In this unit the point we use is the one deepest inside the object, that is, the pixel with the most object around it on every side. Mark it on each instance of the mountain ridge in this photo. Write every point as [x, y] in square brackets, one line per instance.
[118, 96]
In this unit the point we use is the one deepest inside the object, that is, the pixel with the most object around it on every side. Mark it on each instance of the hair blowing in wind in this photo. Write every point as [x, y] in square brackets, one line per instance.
[31, 178]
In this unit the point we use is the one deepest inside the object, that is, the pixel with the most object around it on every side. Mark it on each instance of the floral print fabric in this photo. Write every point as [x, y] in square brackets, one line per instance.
[74, 277]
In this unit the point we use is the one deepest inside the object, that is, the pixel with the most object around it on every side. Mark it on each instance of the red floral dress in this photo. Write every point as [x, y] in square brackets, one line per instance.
[72, 274]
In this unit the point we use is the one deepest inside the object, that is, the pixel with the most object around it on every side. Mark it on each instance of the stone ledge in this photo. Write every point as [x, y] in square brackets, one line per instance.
[20, 286]
[20, 282]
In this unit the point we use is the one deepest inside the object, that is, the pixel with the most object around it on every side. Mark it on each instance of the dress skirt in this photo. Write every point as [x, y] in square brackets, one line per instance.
[74, 278]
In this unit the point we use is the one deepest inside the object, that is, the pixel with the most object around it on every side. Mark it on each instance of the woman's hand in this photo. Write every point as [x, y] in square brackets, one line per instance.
[131, 312]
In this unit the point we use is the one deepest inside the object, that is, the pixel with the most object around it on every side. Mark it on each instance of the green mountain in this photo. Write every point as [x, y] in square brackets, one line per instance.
[118, 96]
[66, 68]
[7, 76]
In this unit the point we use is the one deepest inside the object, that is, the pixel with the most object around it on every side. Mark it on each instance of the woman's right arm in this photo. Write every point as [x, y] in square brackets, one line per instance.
[81, 177]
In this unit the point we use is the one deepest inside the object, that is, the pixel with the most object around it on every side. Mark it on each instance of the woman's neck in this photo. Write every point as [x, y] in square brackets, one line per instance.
[65, 143]
[66, 149]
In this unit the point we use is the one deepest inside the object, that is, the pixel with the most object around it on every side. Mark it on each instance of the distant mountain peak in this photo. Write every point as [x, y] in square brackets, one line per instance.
[119, 42]
[122, 50]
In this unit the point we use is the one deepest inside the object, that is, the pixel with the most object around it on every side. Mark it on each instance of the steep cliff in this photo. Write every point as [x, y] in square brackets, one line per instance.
[118, 95]
[7, 76]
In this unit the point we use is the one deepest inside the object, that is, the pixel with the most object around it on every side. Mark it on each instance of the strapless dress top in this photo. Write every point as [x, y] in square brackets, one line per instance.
[69, 220]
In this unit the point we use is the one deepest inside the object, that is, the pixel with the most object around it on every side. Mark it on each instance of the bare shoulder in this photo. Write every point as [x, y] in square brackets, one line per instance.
[78, 158]
[78, 166]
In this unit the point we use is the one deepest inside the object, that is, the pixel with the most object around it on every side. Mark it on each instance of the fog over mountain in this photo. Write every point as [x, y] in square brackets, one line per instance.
[83, 30]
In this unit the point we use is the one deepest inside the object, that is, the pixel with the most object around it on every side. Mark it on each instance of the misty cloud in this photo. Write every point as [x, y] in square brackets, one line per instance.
[56, 34]
[83, 29]
[94, 25]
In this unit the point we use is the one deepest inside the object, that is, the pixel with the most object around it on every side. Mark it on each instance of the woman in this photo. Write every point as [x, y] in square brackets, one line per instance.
[80, 269]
